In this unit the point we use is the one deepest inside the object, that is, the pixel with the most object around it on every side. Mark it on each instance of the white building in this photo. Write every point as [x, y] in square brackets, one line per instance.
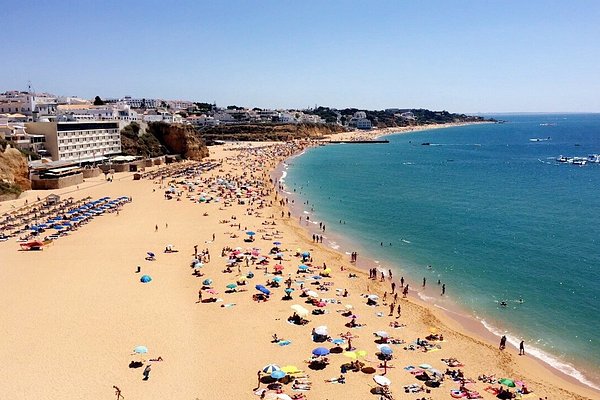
[79, 141]
[287, 118]
[201, 120]
[363, 123]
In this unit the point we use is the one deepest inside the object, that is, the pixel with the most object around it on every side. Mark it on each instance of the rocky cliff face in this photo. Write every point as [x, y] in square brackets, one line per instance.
[14, 173]
[180, 139]
[267, 132]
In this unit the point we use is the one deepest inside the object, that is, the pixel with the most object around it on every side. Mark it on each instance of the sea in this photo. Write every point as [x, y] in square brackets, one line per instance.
[484, 209]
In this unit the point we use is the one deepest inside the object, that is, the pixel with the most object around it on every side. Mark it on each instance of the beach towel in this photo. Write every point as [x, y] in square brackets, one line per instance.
[228, 305]
[284, 342]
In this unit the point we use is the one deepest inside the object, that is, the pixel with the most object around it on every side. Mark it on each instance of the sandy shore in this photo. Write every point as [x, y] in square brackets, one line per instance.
[73, 313]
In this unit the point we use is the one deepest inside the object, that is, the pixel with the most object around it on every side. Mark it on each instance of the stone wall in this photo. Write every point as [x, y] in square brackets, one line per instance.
[91, 172]
[58, 183]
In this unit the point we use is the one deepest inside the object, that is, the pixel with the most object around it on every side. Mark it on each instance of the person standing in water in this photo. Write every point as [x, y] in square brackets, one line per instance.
[522, 348]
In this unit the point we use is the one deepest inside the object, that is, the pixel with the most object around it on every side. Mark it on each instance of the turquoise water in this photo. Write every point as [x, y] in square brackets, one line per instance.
[490, 211]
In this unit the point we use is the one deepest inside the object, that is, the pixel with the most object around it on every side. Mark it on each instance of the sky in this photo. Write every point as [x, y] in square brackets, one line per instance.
[461, 56]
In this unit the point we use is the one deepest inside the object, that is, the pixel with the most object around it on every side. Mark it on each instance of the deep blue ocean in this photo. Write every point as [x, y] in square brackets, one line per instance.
[492, 213]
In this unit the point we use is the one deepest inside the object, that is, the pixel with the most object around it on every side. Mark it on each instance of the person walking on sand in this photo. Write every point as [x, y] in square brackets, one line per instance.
[118, 393]
[155, 228]
[399, 311]
[522, 348]
[502, 342]
[146, 372]
[391, 310]
[200, 296]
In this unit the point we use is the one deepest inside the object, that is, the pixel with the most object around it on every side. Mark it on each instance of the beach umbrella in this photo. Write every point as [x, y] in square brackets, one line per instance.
[338, 341]
[198, 265]
[250, 233]
[145, 278]
[58, 227]
[382, 380]
[425, 366]
[277, 243]
[270, 368]
[278, 374]
[263, 289]
[288, 290]
[302, 267]
[373, 297]
[382, 334]
[212, 291]
[311, 293]
[231, 286]
[290, 369]
[321, 330]
[320, 351]
[350, 354]
[140, 350]
[207, 282]
[387, 350]
[301, 311]
[150, 254]
[507, 382]
[306, 254]
[277, 279]
[278, 267]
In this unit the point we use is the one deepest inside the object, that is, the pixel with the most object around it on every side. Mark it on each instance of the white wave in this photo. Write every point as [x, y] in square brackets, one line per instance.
[554, 362]
[306, 212]
[334, 245]
[283, 175]
[425, 297]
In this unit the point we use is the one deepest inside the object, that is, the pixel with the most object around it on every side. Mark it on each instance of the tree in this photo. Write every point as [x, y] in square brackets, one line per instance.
[98, 101]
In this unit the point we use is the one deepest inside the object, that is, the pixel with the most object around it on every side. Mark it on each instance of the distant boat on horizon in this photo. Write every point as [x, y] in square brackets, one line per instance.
[540, 139]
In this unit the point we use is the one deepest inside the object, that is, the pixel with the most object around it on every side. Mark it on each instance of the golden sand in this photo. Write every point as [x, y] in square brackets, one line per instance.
[73, 313]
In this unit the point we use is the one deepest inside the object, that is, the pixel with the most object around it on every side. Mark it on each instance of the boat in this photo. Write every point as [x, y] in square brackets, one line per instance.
[539, 139]
[593, 158]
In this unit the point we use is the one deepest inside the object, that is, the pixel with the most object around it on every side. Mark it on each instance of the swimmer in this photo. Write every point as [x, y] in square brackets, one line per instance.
[503, 304]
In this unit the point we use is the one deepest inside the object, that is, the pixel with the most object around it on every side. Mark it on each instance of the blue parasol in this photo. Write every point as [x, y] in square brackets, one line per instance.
[263, 289]
[145, 279]
[320, 351]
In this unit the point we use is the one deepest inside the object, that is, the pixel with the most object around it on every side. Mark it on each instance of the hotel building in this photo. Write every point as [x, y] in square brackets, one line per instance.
[87, 141]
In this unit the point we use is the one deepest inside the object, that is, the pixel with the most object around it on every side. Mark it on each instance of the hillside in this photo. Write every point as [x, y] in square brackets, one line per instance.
[268, 132]
[14, 173]
[161, 138]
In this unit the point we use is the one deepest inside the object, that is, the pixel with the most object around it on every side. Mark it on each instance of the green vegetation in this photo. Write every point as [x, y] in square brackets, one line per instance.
[204, 107]
[267, 132]
[393, 118]
[98, 101]
[135, 143]
[4, 143]
[9, 189]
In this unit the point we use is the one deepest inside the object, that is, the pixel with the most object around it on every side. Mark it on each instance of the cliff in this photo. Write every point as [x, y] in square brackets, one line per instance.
[14, 173]
[269, 132]
[161, 138]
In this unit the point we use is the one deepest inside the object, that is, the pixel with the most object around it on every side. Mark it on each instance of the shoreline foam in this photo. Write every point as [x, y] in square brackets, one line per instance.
[552, 362]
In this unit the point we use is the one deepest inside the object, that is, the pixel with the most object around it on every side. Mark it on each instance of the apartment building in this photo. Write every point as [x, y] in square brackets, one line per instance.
[87, 141]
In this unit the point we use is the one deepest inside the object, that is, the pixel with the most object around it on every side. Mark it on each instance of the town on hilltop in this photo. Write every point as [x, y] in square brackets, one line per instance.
[58, 136]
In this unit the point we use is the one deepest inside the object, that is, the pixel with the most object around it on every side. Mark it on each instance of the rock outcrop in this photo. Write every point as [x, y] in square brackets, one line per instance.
[161, 138]
[179, 139]
[14, 173]
[266, 132]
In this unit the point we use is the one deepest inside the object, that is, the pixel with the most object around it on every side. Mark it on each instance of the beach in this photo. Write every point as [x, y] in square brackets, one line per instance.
[75, 311]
